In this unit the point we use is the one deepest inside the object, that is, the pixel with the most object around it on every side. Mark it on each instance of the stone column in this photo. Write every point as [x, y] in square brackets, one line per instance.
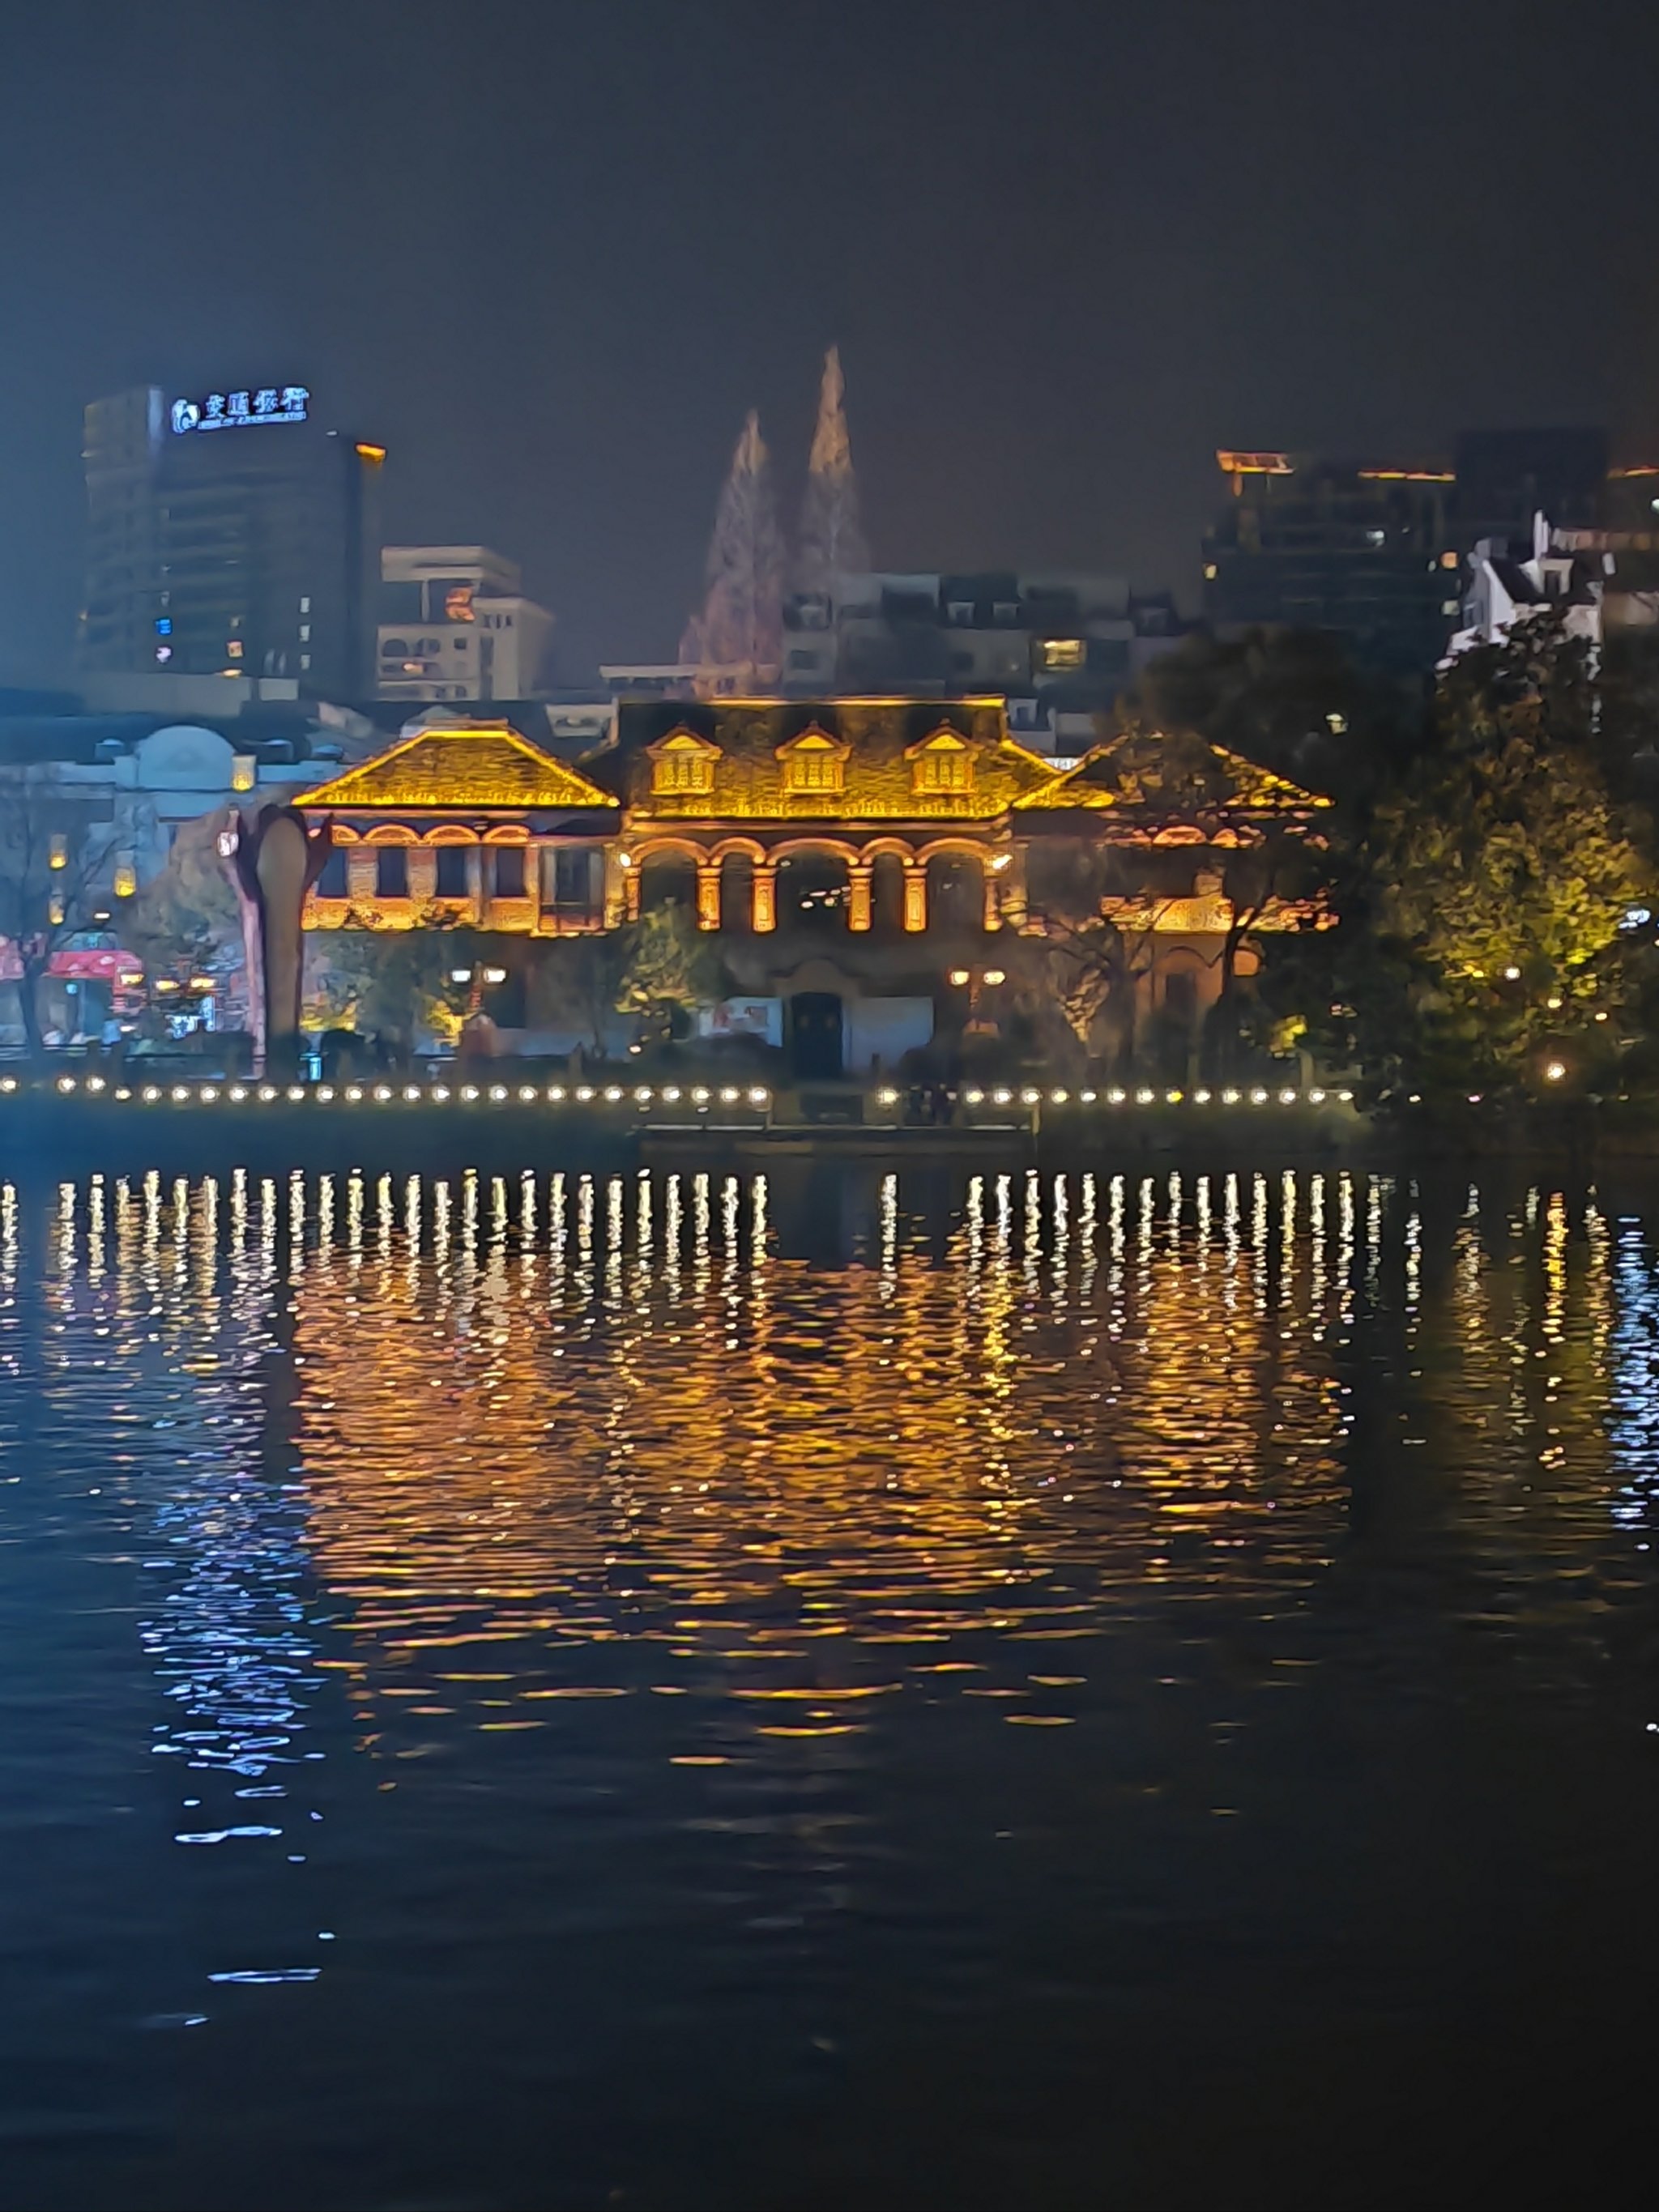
[423, 874]
[763, 897]
[631, 888]
[475, 883]
[860, 894]
[992, 896]
[915, 895]
[708, 895]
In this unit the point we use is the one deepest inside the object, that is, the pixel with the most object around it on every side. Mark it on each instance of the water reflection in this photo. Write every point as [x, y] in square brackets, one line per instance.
[585, 1484]
[505, 1424]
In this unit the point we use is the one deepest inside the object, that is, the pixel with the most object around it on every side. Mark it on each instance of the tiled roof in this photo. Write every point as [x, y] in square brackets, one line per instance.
[1106, 778]
[488, 766]
[880, 735]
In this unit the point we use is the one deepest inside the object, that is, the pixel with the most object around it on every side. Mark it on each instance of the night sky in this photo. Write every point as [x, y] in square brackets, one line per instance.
[548, 254]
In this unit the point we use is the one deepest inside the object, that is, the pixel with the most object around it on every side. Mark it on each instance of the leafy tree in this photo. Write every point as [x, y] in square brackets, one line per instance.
[666, 967]
[393, 983]
[1488, 939]
[1291, 701]
[54, 870]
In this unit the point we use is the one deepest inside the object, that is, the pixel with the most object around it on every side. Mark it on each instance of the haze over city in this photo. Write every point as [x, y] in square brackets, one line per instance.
[549, 255]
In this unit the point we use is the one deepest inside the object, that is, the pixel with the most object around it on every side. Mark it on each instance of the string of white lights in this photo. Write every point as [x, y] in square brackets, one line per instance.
[703, 1096]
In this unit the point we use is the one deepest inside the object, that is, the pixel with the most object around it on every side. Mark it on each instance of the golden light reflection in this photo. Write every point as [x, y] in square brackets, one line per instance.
[760, 1455]
[640, 1420]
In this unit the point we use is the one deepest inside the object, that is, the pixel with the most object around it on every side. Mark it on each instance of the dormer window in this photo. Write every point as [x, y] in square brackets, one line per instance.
[941, 763]
[813, 763]
[683, 765]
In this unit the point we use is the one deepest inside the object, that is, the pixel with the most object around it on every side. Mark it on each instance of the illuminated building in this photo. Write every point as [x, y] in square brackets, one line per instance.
[850, 856]
[454, 623]
[230, 537]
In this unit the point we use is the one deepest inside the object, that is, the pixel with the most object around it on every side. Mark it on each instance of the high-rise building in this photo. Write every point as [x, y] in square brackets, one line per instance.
[1364, 550]
[1505, 477]
[230, 535]
[454, 623]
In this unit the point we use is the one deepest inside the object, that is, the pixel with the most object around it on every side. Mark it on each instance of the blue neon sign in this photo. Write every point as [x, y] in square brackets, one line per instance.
[242, 410]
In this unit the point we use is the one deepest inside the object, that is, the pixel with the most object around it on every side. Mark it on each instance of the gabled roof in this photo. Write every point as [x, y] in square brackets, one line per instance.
[488, 766]
[1121, 774]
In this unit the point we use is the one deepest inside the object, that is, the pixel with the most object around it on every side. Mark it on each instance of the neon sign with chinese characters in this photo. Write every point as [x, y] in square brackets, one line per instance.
[240, 411]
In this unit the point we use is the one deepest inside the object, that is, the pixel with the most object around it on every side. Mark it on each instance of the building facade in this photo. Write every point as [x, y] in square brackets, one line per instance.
[454, 623]
[229, 536]
[865, 868]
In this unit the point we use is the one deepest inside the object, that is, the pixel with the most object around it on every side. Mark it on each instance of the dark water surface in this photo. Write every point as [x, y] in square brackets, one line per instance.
[827, 1690]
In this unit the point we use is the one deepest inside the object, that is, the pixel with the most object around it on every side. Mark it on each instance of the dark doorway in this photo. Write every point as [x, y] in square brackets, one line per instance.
[815, 1036]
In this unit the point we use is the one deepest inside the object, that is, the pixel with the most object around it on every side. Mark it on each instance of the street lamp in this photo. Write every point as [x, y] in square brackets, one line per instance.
[974, 980]
[475, 979]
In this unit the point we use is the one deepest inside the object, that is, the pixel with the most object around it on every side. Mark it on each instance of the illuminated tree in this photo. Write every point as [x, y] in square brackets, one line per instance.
[831, 540]
[667, 968]
[394, 983]
[1489, 936]
[739, 631]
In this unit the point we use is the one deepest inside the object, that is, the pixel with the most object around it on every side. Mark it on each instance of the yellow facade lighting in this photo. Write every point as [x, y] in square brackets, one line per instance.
[1254, 464]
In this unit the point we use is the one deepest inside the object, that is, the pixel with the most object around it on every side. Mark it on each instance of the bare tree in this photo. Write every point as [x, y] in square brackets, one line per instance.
[55, 856]
[740, 628]
[831, 539]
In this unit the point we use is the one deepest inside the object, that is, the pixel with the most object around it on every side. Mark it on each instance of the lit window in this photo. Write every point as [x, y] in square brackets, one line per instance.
[812, 763]
[234, 647]
[305, 633]
[682, 763]
[305, 603]
[305, 660]
[126, 879]
[241, 771]
[1061, 652]
[941, 763]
